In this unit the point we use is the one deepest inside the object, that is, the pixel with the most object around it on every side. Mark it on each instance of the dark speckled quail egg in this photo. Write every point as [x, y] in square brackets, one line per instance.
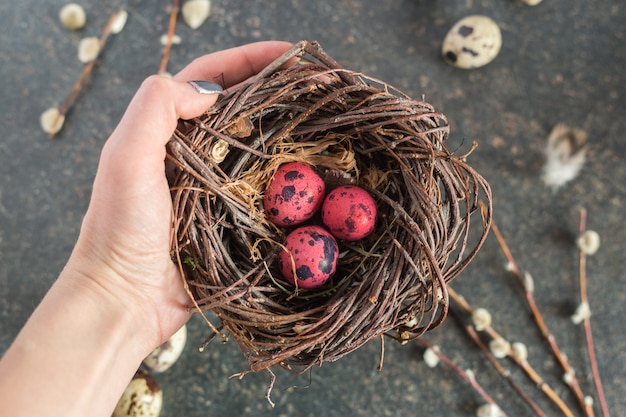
[349, 212]
[310, 257]
[472, 42]
[163, 357]
[142, 397]
[294, 194]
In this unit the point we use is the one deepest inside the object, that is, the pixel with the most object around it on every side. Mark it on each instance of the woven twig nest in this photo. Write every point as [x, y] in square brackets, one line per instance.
[391, 283]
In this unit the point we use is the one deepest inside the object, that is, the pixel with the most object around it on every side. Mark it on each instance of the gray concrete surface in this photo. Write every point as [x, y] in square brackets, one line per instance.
[563, 61]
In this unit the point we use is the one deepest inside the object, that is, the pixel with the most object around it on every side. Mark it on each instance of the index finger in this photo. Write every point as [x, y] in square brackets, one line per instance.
[232, 66]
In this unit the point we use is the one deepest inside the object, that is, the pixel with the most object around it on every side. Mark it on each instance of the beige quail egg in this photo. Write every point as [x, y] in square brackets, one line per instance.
[472, 42]
[142, 397]
[163, 357]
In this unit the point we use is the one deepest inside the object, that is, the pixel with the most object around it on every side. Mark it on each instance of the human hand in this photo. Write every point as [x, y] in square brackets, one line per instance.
[123, 250]
[120, 295]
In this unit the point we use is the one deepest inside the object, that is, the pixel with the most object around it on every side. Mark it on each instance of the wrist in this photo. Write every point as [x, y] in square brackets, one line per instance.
[150, 294]
[122, 311]
[76, 353]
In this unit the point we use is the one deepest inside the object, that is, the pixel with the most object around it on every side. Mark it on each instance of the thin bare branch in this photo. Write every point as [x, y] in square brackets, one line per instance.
[543, 328]
[582, 262]
[84, 75]
[463, 374]
[521, 363]
[170, 34]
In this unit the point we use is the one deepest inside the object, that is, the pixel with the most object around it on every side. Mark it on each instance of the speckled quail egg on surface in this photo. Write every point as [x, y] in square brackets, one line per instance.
[163, 357]
[142, 397]
[472, 42]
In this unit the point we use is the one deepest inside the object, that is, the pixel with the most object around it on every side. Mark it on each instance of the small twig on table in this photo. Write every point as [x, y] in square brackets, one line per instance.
[170, 34]
[270, 385]
[382, 353]
[582, 262]
[84, 75]
[504, 373]
[268, 392]
[525, 282]
[521, 362]
[463, 374]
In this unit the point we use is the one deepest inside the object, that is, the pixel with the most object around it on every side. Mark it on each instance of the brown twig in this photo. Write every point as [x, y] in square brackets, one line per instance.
[520, 362]
[469, 379]
[504, 373]
[170, 34]
[582, 262]
[543, 328]
[84, 75]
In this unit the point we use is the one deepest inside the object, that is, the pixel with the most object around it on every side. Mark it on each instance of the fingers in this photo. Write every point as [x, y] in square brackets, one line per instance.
[232, 66]
[158, 104]
[152, 114]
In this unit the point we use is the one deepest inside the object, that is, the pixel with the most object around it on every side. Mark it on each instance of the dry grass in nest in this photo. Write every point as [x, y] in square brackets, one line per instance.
[391, 283]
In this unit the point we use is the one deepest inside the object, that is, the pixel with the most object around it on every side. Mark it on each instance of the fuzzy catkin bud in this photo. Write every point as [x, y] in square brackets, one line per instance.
[219, 150]
[568, 377]
[195, 12]
[520, 351]
[500, 347]
[120, 21]
[481, 317]
[470, 374]
[51, 120]
[529, 283]
[174, 40]
[88, 49]
[589, 242]
[488, 410]
[73, 16]
[430, 356]
[582, 313]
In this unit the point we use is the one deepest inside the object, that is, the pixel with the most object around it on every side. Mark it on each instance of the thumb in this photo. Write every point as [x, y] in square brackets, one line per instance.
[153, 113]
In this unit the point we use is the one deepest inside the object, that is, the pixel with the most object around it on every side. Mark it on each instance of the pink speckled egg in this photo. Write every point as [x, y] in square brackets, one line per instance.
[311, 252]
[294, 194]
[349, 212]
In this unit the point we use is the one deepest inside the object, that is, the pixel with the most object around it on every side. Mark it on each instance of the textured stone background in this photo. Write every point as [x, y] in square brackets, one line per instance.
[562, 61]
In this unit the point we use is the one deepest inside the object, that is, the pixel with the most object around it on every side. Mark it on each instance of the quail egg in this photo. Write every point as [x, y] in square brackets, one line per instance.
[142, 397]
[163, 357]
[472, 42]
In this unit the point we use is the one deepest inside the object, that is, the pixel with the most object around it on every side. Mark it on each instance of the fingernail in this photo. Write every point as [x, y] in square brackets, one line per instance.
[206, 87]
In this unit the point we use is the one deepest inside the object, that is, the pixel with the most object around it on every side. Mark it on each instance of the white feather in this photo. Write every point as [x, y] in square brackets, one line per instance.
[565, 156]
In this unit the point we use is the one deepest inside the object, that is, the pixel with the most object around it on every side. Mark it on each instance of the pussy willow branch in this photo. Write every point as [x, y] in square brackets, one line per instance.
[530, 300]
[170, 34]
[84, 75]
[582, 262]
[469, 379]
[521, 363]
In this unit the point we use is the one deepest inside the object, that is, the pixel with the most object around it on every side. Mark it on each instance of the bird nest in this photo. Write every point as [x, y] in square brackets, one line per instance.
[352, 128]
